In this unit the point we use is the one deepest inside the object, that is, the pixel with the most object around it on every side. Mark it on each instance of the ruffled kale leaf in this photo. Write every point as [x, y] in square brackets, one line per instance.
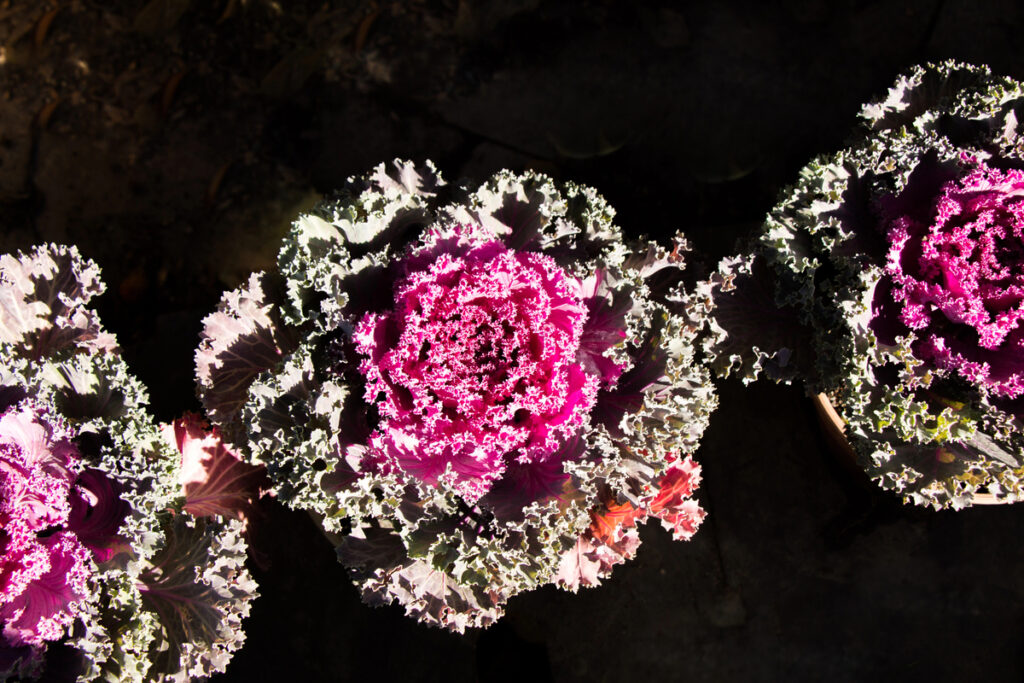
[750, 333]
[198, 586]
[243, 338]
[44, 297]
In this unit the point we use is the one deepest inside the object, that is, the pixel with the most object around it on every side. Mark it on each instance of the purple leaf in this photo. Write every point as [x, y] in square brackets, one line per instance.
[97, 512]
[215, 481]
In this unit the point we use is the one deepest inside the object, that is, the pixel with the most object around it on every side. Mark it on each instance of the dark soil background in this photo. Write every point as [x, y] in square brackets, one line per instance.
[174, 140]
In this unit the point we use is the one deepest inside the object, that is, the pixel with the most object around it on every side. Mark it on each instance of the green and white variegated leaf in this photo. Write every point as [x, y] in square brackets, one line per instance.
[527, 211]
[116, 641]
[199, 588]
[976, 97]
[569, 222]
[678, 400]
[379, 564]
[44, 297]
[293, 416]
[748, 332]
[923, 94]
[242, 338]
[371, 213]
[433, 596]
[821, 252]
[944, 473]
[174, 617]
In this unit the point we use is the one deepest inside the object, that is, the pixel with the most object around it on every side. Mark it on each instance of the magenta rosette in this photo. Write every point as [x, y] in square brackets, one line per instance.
[476, 361]
[958, 279]
[457, 383]
[50, 538]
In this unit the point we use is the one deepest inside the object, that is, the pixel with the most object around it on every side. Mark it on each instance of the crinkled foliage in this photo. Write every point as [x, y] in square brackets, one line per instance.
[44, 297]
[895, 267]
[612, 537]
[455, 380]
[92, 501]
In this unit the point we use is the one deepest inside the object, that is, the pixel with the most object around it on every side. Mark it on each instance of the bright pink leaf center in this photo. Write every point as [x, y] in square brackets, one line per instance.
[44, 568]
[475, 366]
[960, 280]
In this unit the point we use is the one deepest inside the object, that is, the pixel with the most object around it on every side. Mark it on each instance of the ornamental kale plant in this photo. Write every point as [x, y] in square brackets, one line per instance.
[476, 392]
[897, 267]
[109, 567]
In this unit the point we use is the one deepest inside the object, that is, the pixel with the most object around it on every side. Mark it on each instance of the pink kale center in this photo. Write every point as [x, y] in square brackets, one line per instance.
[960, 281]
[475, 366]
[44, 568]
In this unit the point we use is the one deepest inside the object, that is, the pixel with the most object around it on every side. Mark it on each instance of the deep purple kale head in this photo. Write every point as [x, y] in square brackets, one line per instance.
[957, 277]
[55, 519]
[474, 369]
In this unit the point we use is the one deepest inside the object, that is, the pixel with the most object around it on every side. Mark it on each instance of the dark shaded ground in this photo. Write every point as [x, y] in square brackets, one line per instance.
[173, 141]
